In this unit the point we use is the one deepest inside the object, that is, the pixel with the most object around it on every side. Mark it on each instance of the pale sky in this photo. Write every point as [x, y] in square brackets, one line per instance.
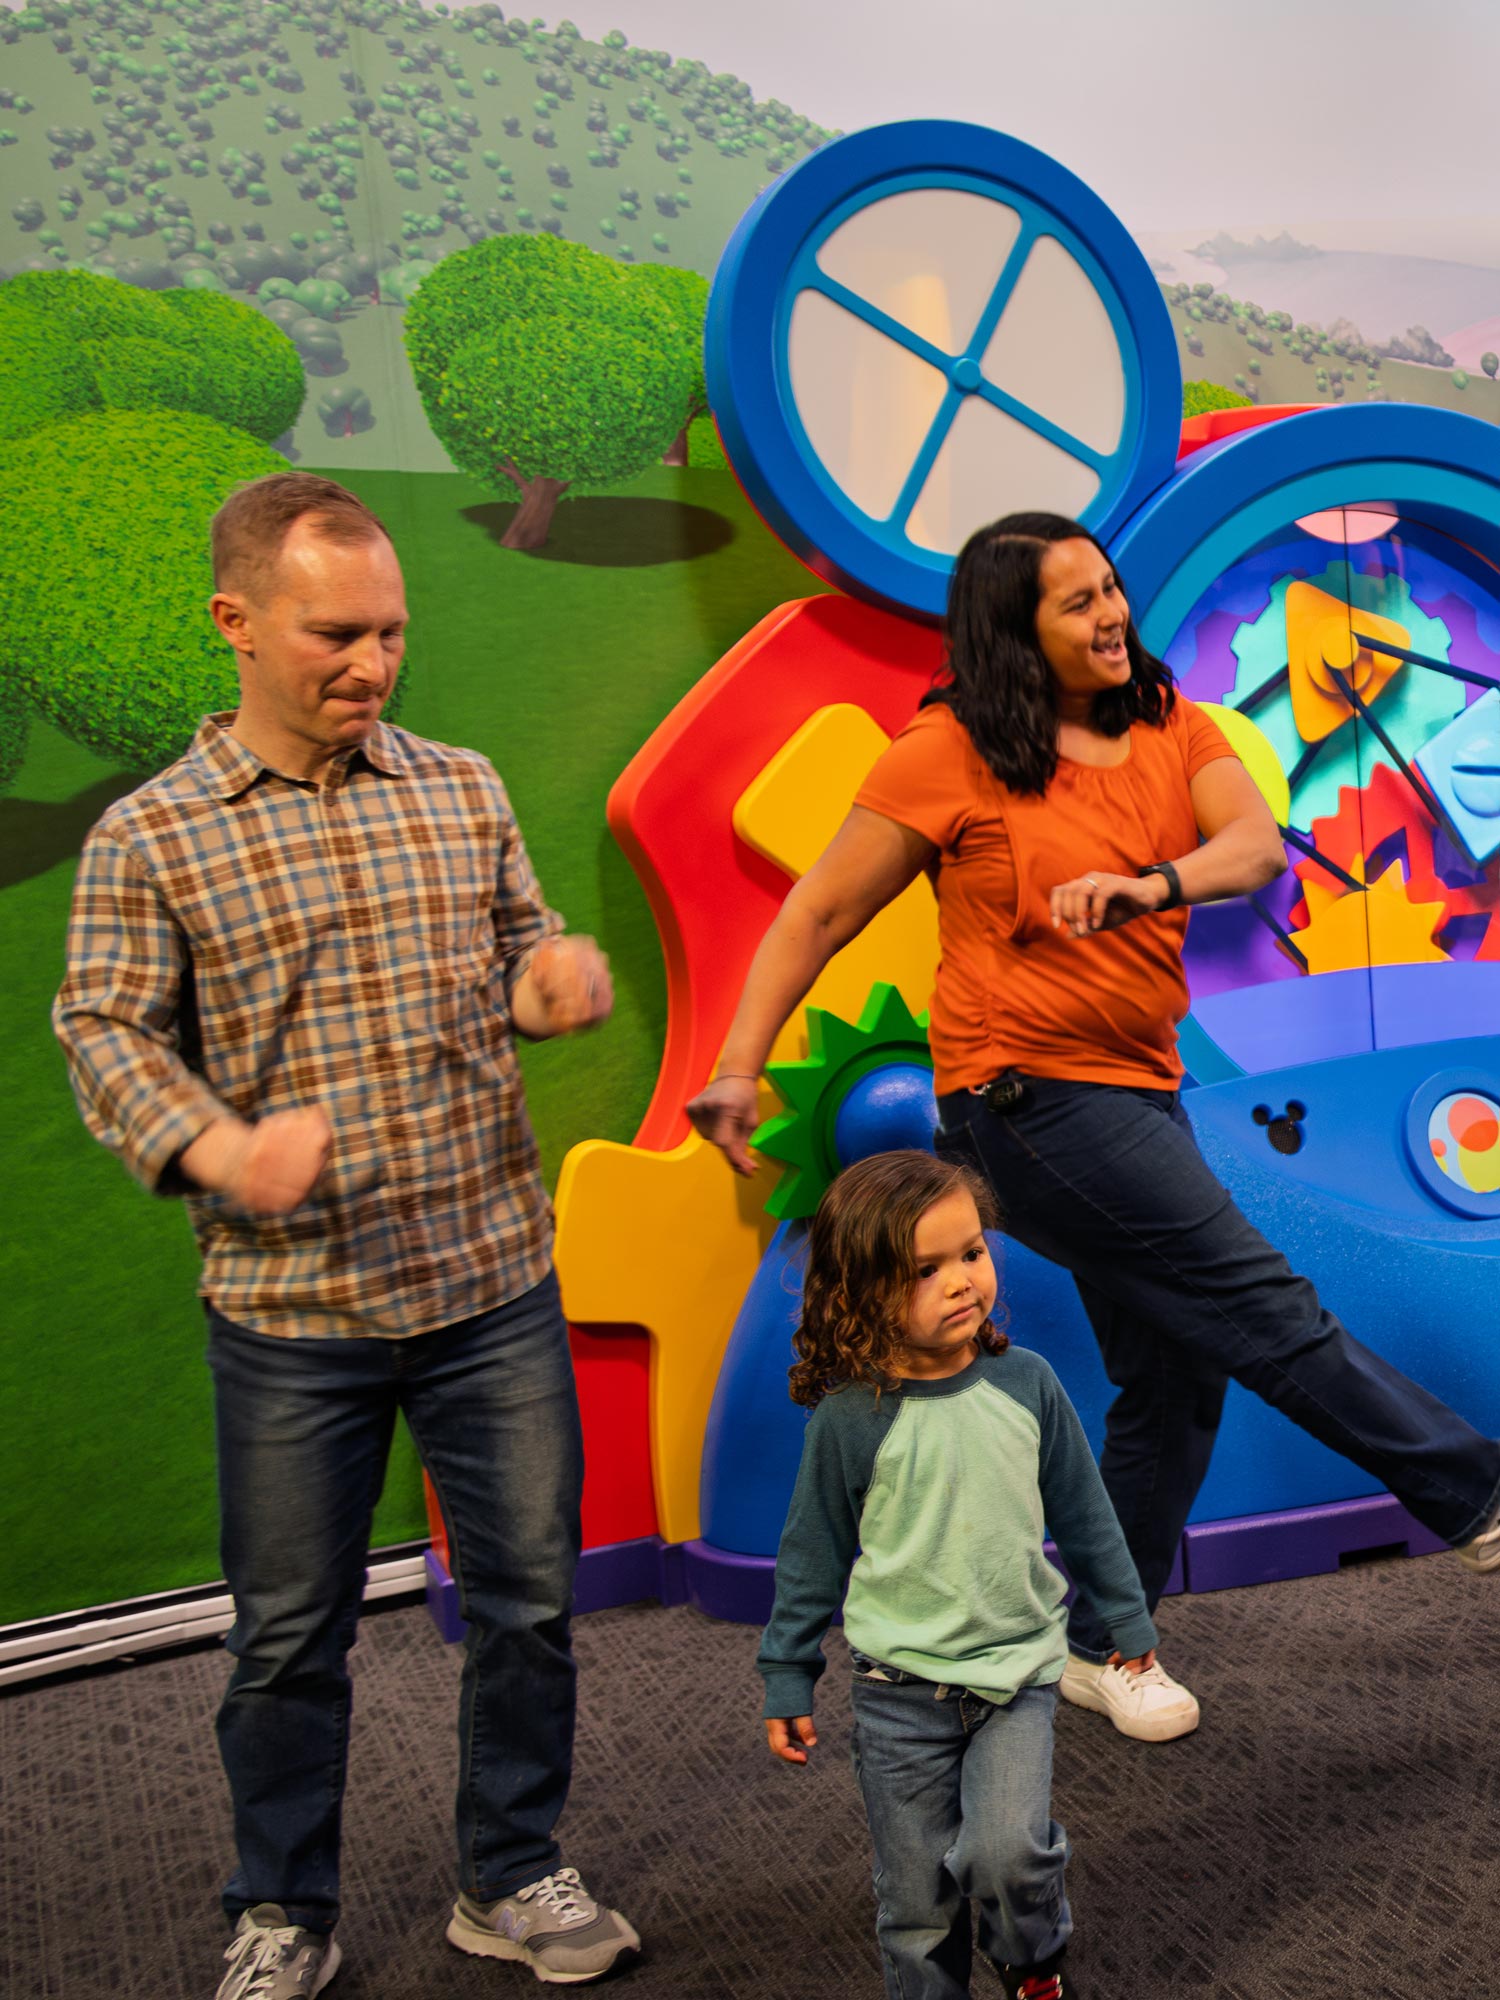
[1178, 114]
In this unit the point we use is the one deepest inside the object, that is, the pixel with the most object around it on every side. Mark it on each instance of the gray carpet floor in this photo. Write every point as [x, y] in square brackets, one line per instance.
[1333, 1829]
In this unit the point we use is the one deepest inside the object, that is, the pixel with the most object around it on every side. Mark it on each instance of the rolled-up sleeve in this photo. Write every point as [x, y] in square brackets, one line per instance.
[119, 1017]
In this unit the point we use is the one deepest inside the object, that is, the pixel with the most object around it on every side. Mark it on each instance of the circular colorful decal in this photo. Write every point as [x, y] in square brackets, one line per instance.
[1464, 1134]
[1453, 1140]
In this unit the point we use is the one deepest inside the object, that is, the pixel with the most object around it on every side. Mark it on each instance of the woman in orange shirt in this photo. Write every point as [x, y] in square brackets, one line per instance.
[1067, 805]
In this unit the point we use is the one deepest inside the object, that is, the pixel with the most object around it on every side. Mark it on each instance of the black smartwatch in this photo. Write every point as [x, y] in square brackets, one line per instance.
[1169, 874]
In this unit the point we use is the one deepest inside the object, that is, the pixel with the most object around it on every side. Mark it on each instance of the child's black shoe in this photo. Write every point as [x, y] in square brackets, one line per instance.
[1045, 1981]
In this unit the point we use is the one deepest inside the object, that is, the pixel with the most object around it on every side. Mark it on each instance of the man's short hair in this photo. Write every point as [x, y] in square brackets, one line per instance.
[250, 528]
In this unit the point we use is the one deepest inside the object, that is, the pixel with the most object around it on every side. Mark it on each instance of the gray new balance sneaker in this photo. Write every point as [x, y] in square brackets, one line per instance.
[554, 1925]
[271, 1959]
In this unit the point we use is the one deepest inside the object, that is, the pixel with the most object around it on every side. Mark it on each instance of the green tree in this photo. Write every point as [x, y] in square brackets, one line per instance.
[73, 341]
[1490, 363]
[104, 522]
[684, 295]
[543, 366]
[15, 727]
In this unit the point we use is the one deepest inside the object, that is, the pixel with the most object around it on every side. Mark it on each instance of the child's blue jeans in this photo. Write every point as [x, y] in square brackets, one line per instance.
[958, 1793]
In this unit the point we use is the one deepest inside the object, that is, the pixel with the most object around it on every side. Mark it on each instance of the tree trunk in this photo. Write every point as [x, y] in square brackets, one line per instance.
[676, 452]
[539, 498]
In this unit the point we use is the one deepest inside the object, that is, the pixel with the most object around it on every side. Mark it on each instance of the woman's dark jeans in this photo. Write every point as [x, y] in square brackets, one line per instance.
[1183, 1294]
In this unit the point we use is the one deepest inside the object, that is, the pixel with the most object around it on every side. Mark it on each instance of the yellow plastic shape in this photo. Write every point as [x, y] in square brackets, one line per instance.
[789, 812]
[1323, 657]
[1254, 748]
[1379, 926]
[668, 1242]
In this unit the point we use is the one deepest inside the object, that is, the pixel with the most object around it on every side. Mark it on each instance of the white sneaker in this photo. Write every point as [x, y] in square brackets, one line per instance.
[1482, 1553]
[1150, 1706]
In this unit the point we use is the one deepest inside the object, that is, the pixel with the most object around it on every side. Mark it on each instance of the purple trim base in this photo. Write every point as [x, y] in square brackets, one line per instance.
[442, 1600]
[1217, 1555]
[1306, 1541]
[619, 1573]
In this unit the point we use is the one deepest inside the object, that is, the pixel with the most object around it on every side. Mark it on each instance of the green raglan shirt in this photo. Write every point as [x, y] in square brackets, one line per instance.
[929, 1504]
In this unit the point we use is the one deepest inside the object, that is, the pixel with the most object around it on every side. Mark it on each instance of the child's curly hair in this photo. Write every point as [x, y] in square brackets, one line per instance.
[860, 1269]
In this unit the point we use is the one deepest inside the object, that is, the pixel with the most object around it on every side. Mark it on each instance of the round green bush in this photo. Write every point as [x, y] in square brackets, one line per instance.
[72, 341]
[1200, 397]
[106, 579]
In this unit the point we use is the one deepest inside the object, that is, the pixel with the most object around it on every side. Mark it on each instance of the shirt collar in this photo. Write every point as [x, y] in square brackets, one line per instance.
[228, 768]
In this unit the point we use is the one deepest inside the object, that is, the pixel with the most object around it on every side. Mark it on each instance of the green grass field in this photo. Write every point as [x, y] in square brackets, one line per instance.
[558, 667]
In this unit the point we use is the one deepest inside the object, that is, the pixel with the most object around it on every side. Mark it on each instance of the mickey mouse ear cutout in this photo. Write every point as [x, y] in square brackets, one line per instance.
[921, 328]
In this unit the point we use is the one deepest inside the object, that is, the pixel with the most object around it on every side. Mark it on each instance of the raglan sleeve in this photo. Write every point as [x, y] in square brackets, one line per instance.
[818, 1546]
[1084, 1524]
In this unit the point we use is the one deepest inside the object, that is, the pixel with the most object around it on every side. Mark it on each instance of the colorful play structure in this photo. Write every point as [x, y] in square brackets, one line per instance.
[918, 329]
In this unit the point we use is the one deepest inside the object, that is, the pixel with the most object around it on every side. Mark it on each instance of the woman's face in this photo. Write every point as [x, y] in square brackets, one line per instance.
[1081, 619]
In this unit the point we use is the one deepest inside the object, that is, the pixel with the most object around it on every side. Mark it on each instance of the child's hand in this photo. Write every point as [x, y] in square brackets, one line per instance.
[785, 1735]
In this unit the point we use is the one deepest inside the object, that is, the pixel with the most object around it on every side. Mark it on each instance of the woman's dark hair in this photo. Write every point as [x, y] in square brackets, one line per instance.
[996, 680]
[860, 1269]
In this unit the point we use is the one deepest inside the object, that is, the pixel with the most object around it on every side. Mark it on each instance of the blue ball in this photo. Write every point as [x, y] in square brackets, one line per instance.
[887, 1111]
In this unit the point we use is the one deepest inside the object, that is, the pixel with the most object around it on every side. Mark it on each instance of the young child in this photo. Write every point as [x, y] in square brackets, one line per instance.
[934, 1455]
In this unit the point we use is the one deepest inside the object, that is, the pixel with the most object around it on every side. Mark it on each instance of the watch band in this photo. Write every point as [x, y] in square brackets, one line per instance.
[1168, 872]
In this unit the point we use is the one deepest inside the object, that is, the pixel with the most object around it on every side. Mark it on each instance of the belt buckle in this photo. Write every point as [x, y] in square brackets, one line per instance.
[1004, 1093]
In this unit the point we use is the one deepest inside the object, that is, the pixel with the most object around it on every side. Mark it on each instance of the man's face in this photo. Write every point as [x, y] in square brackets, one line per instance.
[319, 641]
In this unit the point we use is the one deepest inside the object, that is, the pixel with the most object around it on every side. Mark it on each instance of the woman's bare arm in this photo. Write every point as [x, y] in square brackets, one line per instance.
[866, 865]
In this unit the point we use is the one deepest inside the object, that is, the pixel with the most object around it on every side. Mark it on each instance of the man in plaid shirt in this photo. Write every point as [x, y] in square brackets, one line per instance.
[296, 963]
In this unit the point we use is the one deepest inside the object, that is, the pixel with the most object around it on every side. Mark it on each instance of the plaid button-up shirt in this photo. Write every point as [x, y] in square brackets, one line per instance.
[244, 942]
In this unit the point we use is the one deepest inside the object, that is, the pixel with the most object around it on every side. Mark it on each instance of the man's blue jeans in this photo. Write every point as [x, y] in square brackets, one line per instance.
[1184, 1294]
[304, 1427]
[958, 1793]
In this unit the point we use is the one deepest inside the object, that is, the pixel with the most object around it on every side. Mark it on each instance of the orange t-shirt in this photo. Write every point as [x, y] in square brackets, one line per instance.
[1012, 992]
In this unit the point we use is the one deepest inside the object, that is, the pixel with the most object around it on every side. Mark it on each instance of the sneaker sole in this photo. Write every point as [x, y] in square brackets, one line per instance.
[332, 1959]
[482, 1943]
[1161, 1729]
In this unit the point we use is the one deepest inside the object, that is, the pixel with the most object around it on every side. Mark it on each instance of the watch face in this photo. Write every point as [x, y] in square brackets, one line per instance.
[1353, 658]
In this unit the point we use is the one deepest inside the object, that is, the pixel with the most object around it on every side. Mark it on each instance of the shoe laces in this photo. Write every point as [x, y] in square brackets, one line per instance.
[563, 1894]
[1151, 1676]
[257, 1956]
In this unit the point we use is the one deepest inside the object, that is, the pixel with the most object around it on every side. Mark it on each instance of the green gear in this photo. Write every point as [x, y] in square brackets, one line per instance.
[839, 1053]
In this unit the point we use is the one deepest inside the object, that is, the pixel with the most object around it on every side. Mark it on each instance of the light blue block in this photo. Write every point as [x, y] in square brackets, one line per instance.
[1462, 765]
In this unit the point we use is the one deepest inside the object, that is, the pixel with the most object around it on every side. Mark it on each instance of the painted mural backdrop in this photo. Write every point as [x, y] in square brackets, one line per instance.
[458, 260]
[215, 230]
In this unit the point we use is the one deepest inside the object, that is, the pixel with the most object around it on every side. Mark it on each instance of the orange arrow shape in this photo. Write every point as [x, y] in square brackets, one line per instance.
[1323, 657]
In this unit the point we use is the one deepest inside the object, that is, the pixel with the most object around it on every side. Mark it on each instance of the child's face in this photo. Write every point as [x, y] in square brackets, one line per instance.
[954, 1291]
